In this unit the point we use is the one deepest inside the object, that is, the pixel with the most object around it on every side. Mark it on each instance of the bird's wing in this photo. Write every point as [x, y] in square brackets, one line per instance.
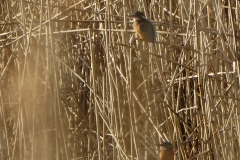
[148, 30]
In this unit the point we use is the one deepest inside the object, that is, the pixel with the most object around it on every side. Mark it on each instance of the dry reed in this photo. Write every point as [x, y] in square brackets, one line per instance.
[73, 87]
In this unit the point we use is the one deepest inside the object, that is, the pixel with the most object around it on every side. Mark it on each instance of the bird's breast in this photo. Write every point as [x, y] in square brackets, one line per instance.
[166, 154]
[137, 27]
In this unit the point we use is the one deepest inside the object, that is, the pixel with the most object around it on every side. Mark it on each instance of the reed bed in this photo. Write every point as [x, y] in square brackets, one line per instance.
[73, 87]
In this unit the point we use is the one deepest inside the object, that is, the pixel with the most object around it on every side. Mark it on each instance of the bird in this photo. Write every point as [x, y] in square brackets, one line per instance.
[144, 28]
[166, 151]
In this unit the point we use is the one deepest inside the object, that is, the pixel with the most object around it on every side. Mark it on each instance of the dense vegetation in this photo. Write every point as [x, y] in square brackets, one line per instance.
[73, 87]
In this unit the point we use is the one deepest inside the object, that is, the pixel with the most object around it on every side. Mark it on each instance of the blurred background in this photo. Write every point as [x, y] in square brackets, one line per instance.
[72, 87]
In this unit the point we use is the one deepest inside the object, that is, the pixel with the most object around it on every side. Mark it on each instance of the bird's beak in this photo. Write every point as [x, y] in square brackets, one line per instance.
[132, 16]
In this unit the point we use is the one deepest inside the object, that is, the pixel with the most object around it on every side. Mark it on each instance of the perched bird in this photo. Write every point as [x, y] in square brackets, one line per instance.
[144, 28]
[166, 151]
